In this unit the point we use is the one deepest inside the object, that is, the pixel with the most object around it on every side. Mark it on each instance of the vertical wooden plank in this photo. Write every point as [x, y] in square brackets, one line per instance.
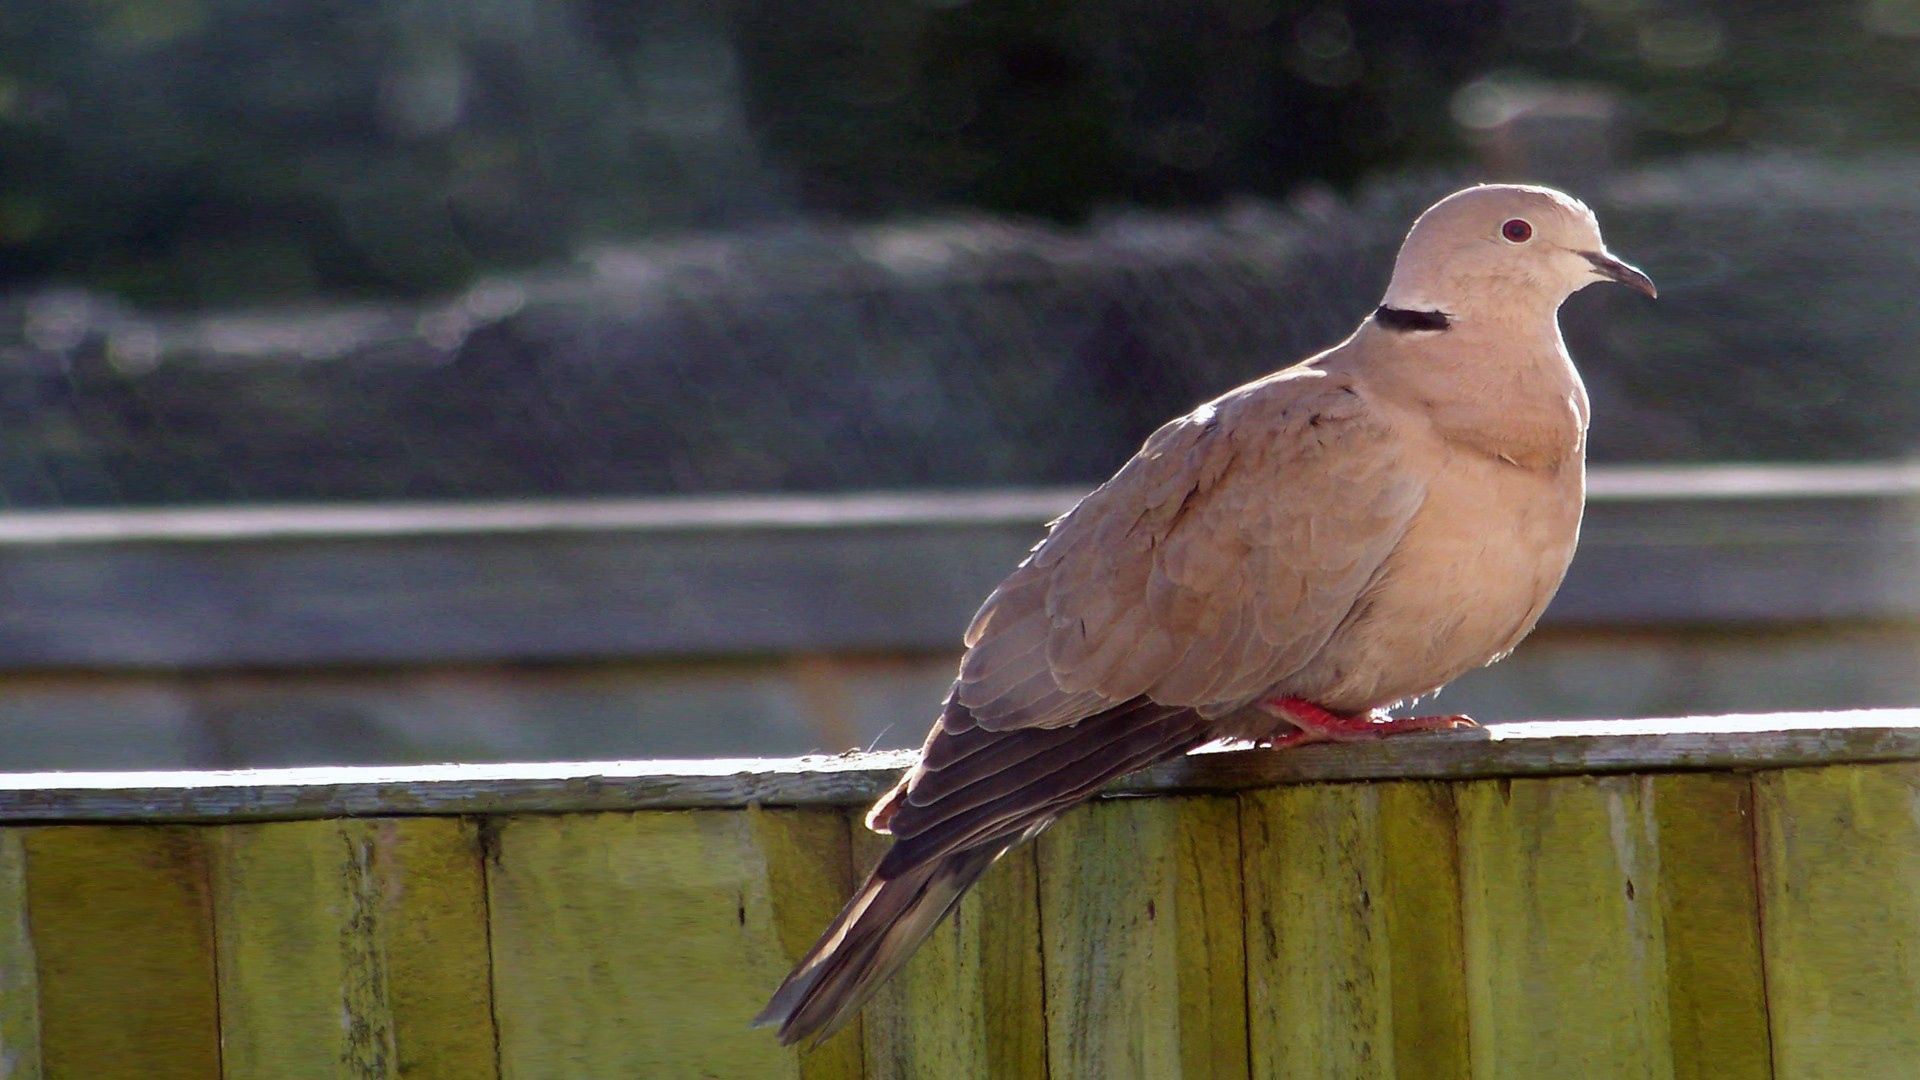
[19, 982]
[1353, 932]
[1566, 965]
[1716, 987]
[1576, 962]
[1840, 863]
[123, 940]
[1143, 928]
[969, 1003]
[1421, 879]
[642, 944]
[438, 960]
[353, 948]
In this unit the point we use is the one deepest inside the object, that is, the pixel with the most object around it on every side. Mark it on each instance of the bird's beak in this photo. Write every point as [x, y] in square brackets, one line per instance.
[1614, 270]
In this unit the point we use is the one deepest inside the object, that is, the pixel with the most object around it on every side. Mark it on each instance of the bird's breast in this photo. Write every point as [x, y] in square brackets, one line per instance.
[1477, 566]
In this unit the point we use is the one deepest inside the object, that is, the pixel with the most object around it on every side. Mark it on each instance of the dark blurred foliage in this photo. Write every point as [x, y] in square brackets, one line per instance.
[195, 151]
[539, 247]
[1051, 107]
[956, 353]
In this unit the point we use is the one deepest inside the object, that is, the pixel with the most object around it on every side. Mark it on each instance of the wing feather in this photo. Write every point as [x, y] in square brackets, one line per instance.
[1215, 563]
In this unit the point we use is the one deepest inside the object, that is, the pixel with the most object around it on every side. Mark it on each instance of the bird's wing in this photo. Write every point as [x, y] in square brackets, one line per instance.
[1215, 563]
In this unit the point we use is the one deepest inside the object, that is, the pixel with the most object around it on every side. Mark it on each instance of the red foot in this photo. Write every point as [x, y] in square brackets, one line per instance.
[1317, 724]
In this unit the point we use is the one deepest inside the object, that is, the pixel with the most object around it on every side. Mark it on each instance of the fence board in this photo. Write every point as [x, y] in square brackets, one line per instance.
[1353, 932]
[1568, 901]
[1839, 863]
[1716, 987]
[969, 1004]
[1142, 930]
[19, 982]
[1547, 867]
[642, 944]
[353, 949]
[123, 940]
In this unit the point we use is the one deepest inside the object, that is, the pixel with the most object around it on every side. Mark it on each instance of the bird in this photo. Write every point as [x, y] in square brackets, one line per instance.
[1281, 566]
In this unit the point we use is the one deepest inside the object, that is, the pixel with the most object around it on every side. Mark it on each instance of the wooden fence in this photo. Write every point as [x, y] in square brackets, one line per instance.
[1729, 898]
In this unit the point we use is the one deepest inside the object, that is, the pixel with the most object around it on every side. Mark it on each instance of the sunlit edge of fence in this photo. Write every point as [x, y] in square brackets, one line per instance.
[1545, 748]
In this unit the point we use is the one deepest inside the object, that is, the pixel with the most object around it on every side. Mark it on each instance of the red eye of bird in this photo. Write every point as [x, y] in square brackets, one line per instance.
[1517, 231]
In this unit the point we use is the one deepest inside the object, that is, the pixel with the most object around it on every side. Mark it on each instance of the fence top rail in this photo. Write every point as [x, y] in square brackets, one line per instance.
[1739, 742]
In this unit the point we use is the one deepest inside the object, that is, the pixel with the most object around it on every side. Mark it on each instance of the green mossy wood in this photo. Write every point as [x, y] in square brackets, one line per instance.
[1514, 916]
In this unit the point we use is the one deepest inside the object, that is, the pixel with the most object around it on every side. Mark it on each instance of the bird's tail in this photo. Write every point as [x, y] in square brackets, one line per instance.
[984, 792]
[873, 936]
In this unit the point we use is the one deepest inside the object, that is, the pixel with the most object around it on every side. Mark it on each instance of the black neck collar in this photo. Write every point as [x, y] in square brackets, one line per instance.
[1403, 320]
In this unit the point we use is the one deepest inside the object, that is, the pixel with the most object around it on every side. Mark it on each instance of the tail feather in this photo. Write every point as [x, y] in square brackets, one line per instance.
[951, 818]
[872, 938]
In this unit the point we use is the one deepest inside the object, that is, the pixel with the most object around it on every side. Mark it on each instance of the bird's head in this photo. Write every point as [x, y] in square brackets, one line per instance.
[1504, 244]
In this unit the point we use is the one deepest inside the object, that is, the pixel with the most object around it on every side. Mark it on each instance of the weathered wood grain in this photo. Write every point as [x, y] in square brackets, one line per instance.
[1607, 923]
[1546, 866]
[1716, 985]
[1569, 901]
[1546, 748]
[19, 979]
[353, 949]
[1840, 901]
[1142, 931]
[491, 582]
[1353, 932]
[642, 944]
[970, 1002]
[123, 941]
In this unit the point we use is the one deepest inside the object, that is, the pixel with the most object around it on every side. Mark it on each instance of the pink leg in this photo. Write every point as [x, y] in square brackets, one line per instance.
[1317, 724]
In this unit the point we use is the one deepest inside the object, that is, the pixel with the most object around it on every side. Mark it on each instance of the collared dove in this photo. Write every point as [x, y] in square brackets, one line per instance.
[1280, 565]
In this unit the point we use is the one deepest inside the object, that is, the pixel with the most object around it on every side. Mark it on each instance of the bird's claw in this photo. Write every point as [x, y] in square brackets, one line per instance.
[1314, 724]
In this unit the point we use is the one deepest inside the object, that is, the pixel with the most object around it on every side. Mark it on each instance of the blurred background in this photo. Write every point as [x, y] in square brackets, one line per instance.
[396, 381]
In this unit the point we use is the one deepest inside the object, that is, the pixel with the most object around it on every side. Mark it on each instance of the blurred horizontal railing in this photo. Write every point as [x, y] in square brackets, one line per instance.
[566, 581]
[686, 627]
[1724, 897]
